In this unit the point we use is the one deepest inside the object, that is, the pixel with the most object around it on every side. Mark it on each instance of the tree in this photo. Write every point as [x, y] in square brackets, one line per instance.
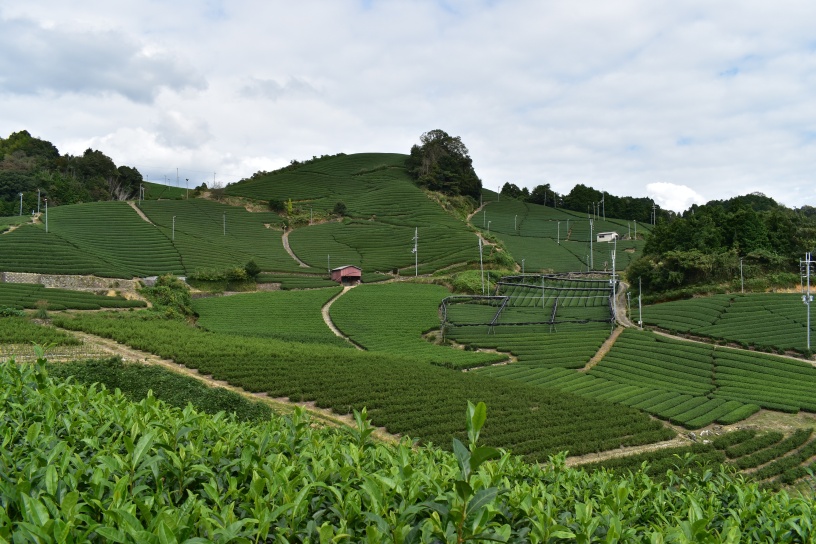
[442, 164]
[252, 269]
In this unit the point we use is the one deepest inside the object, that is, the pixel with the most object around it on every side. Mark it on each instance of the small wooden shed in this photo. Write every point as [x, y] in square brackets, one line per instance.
[348, 274]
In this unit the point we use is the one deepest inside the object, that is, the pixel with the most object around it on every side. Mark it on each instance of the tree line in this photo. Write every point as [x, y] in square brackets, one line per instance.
[707, 244]
[29, 164]
[585, 199]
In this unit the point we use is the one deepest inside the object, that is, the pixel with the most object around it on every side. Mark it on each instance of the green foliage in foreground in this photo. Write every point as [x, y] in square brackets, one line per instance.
[82, 465]
[404, 395]
[137, 380]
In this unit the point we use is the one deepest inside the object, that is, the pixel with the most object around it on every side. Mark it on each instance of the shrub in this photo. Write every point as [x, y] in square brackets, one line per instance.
[340, 209]
[252, 269]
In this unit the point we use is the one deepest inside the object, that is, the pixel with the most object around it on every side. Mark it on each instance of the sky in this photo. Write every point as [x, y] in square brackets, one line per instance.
[682, 101]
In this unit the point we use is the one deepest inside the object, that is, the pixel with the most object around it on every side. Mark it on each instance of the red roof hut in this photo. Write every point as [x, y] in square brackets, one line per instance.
[347, 274]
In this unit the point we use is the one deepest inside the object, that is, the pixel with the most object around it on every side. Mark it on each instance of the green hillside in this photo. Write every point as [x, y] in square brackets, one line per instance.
[769, 321]
[384, 210]
[556, 240]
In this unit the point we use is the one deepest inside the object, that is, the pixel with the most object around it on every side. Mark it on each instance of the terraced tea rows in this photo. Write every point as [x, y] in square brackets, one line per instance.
[393, 317]
[765, 320]
[25, 295]
[115, 234]
[402, 394]
[285, 315]
[383, 206]
[213, 235]
[555, 240]
[768, 457]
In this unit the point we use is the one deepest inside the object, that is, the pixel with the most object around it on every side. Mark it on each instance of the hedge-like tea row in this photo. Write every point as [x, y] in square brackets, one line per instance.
[770, 321]
[26, 295]
[285, 315]
[404, 395]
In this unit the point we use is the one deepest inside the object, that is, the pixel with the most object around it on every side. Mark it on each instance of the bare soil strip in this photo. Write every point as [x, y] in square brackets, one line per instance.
[477, 210]
[140, 212]
[626, 452]
[288, 249]
[329, 323]
[603, 350]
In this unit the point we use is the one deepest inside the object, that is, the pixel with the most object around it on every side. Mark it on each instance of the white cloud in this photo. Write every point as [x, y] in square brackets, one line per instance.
[52, 60]
[674, 197]
[713, 97]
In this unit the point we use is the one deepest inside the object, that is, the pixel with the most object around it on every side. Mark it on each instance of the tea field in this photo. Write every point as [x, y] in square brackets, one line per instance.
[556, 240]
[96, 466]
[24, 295]
[767, 321]
[406, 395]
[285, 315]
[392, 318]
[383, 210]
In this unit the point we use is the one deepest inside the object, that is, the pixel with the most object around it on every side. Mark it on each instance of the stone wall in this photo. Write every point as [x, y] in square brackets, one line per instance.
[74, 283]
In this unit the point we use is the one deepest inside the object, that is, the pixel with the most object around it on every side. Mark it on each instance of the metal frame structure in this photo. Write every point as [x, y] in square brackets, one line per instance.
[599, 282]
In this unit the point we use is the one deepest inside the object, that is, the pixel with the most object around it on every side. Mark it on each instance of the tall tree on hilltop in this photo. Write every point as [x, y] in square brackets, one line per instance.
[442, 163]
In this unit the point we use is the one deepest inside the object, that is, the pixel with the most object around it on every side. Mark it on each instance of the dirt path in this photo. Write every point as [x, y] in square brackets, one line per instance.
[288, 249]
[603, 350]
[578, 460]
[279, 405]
[330, 324]
[140, 212]
[477, 210]
[622, 318]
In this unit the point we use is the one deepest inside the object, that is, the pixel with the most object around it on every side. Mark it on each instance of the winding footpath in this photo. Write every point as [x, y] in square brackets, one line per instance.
[330, 324]
[285, 239]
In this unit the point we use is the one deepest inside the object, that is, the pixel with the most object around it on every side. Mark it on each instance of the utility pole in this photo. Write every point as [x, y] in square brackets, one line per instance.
[488, 227]
[188, 187]
[328, 263]
[225, 223]
[603, 201]
[174, 228]
[484, 218]
[635, 229]
[21, 204]
[742, 281]
[640, 306]
[591, 254]
[807, 298]
[416, 252]
[559, 233]
[614, 284]
[481, 264]
[46, 216]
[522, 267]
[515, 223]
[38, 201]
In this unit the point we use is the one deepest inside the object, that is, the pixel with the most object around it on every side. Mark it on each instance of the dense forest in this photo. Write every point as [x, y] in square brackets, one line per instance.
[591, 201]
[707, 245]
[29, 165]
